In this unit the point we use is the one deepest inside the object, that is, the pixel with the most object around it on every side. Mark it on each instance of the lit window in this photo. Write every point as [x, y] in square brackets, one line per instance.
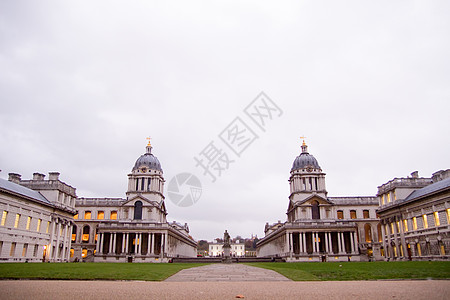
[405, 225]
[366, 214]
[114, 215]
[85, 236]
[392, 228]
[382, 199]
[395, 251]
[353, 214]
[388, 195]
[398, 226]
[436, 219]
[48, 227]
[401, 250]
[5, 214]
[24, 250]
[13, 249]
[74, 237]
[75, 217]
[84, 253]
[448, 215]
[101, 215]
[28, 223]
[395, 196]
[340, 214]
[38, 225]
[415, 223]
[87, 215]
[72, 252]
[419, 250]
[425, 221]
[442, 250]
[16, 222]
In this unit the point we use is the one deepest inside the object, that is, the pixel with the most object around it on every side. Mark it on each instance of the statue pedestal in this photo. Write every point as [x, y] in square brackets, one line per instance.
[226, 254]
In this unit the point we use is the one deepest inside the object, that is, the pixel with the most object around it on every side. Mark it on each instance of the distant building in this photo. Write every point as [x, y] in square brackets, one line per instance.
[415, 217]
[237, 249]
[132, 228]
[322, 228]
[37, 218]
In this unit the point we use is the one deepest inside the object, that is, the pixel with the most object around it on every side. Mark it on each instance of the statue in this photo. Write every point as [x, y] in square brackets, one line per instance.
[226, 239]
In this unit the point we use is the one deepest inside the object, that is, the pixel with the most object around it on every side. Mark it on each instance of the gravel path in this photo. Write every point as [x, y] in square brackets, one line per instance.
[34, 289]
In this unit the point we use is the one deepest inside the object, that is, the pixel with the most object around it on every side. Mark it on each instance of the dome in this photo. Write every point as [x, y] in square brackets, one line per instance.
[148, 160]
[305, 160]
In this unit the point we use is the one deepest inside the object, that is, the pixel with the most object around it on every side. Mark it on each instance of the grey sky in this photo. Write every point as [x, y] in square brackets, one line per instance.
[83, 83]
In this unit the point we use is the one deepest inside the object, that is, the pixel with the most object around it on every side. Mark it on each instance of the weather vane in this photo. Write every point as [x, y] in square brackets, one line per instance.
[149, 144]
[303, 138]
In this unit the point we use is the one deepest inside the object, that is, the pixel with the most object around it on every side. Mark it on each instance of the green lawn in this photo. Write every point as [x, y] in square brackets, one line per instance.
[92, 271]
[360, 270]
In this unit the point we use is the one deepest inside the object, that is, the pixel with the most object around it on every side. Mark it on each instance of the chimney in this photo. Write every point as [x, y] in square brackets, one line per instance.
[38, 176]
[13, 177]
[53, 176]
[415, 174]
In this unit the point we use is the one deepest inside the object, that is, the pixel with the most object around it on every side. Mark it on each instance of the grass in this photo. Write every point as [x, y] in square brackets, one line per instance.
[92, 271]
[360, 270]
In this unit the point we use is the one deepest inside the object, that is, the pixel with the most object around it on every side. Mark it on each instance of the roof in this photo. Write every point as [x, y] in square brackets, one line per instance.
[365, 200]
[15, 188]
[430, 189]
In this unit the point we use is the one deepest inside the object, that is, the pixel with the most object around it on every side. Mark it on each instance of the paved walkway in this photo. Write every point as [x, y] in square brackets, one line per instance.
[226, 272]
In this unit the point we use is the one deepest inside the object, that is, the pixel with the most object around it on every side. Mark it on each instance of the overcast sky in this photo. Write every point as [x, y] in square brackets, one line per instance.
[83, 83]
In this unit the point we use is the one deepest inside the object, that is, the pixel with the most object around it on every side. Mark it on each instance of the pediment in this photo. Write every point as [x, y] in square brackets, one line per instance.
[145, 201]
[309, 201]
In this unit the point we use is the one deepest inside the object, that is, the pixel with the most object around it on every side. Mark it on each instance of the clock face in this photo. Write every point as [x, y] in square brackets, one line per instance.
[143, 170]
[309, 169]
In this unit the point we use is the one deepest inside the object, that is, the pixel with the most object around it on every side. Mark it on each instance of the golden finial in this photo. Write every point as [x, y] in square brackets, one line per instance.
[303, 138]
[149, 144]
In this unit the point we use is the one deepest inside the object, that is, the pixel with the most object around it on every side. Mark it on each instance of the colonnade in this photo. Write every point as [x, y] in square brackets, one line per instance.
[318, 246]
[152, 240]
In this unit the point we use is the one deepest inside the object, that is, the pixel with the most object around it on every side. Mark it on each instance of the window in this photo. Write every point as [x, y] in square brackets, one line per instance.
[425, 221]
[380, 234]
[85, 236]
[382, 199]
[436, 219]
[84, 252]
[368, 233]
[75, 217]
[87, 215]
[448, 215]
[415, 223]
[138, 210]
[405, 225]
[16, 222]
[72, 252]
[13, 249]
[392, 228]
[101, 215]
[137, 184]
[38, 228]
[388, 196]
[28, 223]
[395, 196]
[113, 215]
[48, 227]
[442, 250]
[366, 214]
[398, 226]
[35, 251]
[24, 250]
[340, 214]
[395, 251]
[419, 249]
[353, 214]
[142, 184]
[149, 184]
[4, 215]
[74, 233]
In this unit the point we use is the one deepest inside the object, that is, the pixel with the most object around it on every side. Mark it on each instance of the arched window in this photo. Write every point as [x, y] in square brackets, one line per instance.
[149, 184]
[138, 210]
[368, 232]
[315, 210]
[74, 233]
[86, 230]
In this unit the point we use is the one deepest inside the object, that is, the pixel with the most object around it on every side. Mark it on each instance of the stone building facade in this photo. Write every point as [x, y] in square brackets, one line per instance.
[236, 250]
[415, 217]
[322, 228]
[134, 228]
[37, 218]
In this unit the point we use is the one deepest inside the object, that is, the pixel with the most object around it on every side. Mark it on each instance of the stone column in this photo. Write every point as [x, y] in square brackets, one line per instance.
[114, 243]
[396, 238]
[339, 243]
[300, 242]
[304, 242]
[102, 240]
[355, 241]
[58, 236]
[326, 243]
[314, 237]
[64, 253]
[153, 244]
[123, 243]
[292, 245]
[162, 245]
[110, 243]
[97, 244]
[166, 243]
[330, 244]
[287, 245]
[402, 239]
[148, 243]
[383, 235]
[127, 242]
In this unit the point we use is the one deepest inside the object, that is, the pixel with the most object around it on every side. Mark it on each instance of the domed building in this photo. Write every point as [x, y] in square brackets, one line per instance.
[322, 228]
[133, 229]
